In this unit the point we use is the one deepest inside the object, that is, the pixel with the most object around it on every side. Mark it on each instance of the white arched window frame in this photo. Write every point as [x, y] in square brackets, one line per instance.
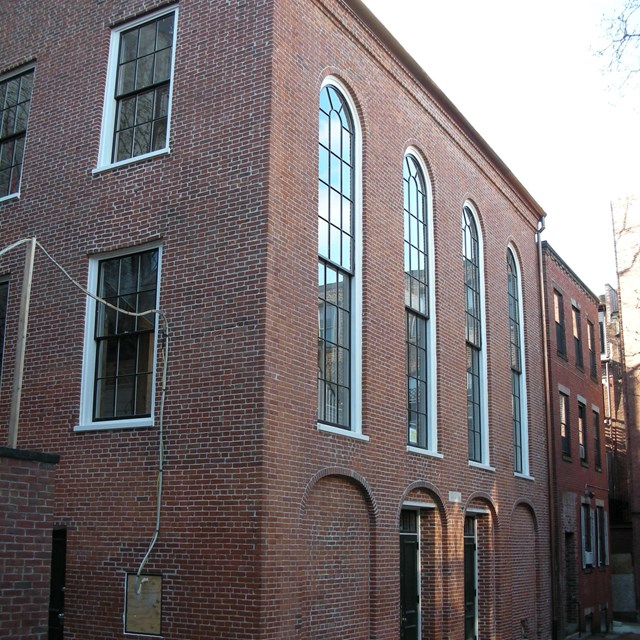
[352, 427]
[429, 445]
[524, 423]
[476, 343]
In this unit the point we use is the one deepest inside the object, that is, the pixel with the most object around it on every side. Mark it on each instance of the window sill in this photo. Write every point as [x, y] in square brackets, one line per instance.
[567, 458]
[122, 163]
[523, 476]
[342, 432]
[424, 452]
[11, 196]
[481, 465]
[110, 425]
[584, 463]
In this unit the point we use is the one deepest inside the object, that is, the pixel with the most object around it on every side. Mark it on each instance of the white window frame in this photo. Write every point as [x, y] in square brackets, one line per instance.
[86, 422]
[110, 104]
[524, 417]
[355, 430]
[602, 562]
[588, 557]
[3, 78]
[432, 379]
[484, 387]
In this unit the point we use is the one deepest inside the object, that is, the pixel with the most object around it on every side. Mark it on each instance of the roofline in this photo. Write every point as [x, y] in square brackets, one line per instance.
[547, 248]
[389, 40]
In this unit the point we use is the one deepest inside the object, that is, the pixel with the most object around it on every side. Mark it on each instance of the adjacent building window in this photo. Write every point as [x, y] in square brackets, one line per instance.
[338, 263]
[582, 431]
[558, 313]
[4, 296]
[15, 102]
[565, 432]
[577, 336]
[138, 93]
[597, 443]
[602, 536]
[587, 529]
[416, 295]
[601, 326]
[118, 387]
[516, 339]
[473, 330]
[591, 343]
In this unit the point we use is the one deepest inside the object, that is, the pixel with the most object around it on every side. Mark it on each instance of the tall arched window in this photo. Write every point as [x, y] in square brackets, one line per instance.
[476, 419]
[518, 389]
[417, 304]
[338, 263]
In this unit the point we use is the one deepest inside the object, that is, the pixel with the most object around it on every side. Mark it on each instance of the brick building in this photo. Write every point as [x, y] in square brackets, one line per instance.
[617, 451]
[626, 233]
[581, 491]
[336, 426]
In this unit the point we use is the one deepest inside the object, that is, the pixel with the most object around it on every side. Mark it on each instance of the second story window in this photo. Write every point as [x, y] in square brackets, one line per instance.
[476, 426]
[558, 314]
[416, 297]
[338, 297]
[565, 431]
[582, 431]
[597, 441]
[577, 336]
[591, 343]
[15, 103]
[138, 93]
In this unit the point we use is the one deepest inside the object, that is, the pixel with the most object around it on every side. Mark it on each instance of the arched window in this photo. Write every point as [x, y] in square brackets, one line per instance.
[338, 263]
[476, 418]
[518, 389]
[417, 295]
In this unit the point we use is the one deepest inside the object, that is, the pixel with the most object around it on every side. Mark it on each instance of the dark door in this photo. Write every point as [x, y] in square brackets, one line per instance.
[409, 574]
[470, 580]
[56, 593]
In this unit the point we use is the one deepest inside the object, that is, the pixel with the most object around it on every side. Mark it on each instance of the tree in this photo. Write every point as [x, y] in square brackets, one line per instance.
[622, 31]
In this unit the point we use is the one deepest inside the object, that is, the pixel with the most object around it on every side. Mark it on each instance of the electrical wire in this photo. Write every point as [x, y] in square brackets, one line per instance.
[165, 358]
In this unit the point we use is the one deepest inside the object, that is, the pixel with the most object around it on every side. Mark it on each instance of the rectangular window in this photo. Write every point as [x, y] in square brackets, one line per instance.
[577, 337]
[15, 102]
[558, 312]
[473, 404]
[587, 527]
[597, 455]
[582, 431]
[138, 92]
[118, 387]
[591, 341]
[565, 433]
[601, 324]
[602, 536]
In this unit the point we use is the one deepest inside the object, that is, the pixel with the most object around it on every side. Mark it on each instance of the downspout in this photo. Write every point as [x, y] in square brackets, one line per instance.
[551, 450]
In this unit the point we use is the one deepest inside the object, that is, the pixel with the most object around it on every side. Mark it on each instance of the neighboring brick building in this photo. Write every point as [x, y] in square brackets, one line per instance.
[578, 447]
[617, 446]
[353, 435]
[626, 233]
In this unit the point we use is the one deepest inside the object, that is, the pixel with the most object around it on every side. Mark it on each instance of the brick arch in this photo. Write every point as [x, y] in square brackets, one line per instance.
[525, 561]
[436, 556]
[336, 542]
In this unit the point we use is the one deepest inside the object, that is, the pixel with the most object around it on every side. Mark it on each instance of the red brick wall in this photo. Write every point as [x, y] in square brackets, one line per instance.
[575, 479]
[235, 206]
[26, 524]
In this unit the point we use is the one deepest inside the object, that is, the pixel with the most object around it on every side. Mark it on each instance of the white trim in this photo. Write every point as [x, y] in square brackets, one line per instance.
[418, 505]
[424, 452]
[484, 386]
[480, 465]
[432, 366]
[342, 432]
[524, 476]
[16, 194]
[105, 152]
[86, 422]
[477, 511]
[562, 389]
[356, 289]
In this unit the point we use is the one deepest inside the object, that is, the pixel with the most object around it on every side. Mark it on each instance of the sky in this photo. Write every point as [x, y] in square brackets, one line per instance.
[526, 76]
